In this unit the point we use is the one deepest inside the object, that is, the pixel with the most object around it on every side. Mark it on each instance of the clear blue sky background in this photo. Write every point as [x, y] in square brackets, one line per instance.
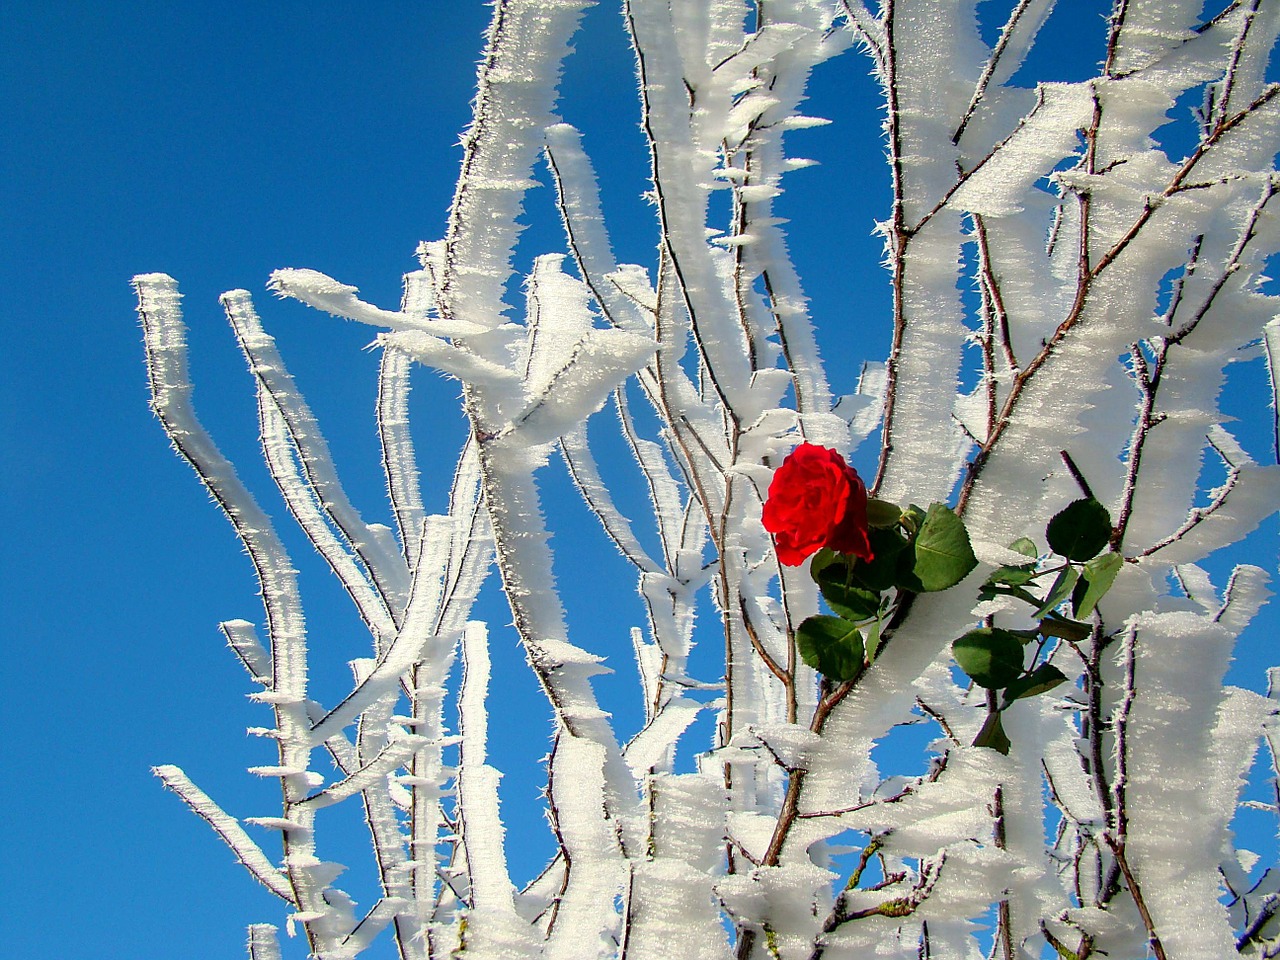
[216, 143]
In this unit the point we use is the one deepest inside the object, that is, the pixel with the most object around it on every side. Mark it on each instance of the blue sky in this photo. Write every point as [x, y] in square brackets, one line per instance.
[217, 143]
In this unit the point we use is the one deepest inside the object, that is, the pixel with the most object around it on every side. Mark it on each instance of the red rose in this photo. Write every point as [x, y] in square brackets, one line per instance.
[816, 500]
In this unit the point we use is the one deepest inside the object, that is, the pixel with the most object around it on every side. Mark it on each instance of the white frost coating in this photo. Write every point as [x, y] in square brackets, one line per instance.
[1182, 775]
[671, 903]
[586, 921]
[933, 71]
[665, 495]
[1252, 498]
[652, 745]
[494, 924]
[864, 408]
[263, 944]
[557, 318]
[516, 88]
[243, 640]
[392, 756]
[682, 172]
[398, 456]
[404, 651]
[1153, 28]
[324, 293]
[928, 445]
[586, 233]
[1271, 342]
[419, 637]
[784, 898]
[595, 366]
[310, 483]
[384, 912]
[788, 744]
[434, 352]
[570, 368]
[158, 306]
[273, 823]
[228, 828]
[783, 68]
[998, 184]
[938, 812]
[1016, 38]
[586, 475]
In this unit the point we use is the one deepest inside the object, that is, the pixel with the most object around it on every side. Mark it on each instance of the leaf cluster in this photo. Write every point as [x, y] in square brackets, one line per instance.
[914, 551]
[996, 658]
[923, 551]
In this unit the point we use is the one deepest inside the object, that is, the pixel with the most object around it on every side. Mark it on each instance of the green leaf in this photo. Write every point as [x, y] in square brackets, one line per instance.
[881, 573]
[1025, 547]
[873, 640]
[1081, 531]
[1013, 576]
[824, 558]
[832, 646]
[943, 554]
[989, 591]
[1059, 592]
[844, 597]
[1042, 678]
[912, 518]
[882, 513]
[1016, 574]
[992, 735]
[1057, 626]
[990, 656]
[1096, 579]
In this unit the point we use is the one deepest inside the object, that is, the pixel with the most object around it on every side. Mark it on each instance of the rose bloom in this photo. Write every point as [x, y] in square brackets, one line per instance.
[816, 500]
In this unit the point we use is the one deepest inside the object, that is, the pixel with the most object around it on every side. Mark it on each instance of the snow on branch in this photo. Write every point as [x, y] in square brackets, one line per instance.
[228, 828]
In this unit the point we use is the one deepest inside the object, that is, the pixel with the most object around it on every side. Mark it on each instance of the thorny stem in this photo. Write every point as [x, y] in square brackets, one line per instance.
[1120, 733]
[553, 818]
[1119, 12]
[785, 676]
[832, 696]
[1149, 373]
[991, 309]
[1004, 929]
[1153, 939]
[1179, 180]
[1082, 952]
[1273, 363]
[995, 324]
[1076, 473]
[895, 908]
[1088, 272]
[790, 804]
[988, 71]
[898, 239]
[1020, 380]
[1200, 514]
[935, 771]
[1147, 387]
[861, 23]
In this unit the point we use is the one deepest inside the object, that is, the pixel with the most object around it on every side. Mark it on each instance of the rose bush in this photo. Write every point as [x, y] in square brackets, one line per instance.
[816, 500]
